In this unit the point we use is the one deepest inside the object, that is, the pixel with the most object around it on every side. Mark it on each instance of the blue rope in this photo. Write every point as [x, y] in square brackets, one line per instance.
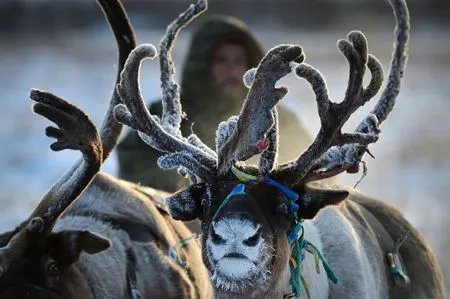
[291, 194]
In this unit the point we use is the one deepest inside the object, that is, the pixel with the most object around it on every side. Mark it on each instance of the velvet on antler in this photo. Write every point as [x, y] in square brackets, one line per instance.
[347, 151]
[126, 41]
[75, 131]
[256, 117]
[334, 115]
[269, 157]
[255, 130]
[135, 114]
[191, 153]
[172, 115]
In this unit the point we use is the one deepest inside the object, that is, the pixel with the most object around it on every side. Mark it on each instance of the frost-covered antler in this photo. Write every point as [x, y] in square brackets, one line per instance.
[172, 115]
[268, 159]
[256, 118]
[333, 152]
[255, 130]
[164, 135]
[235, 140]
[334, 115]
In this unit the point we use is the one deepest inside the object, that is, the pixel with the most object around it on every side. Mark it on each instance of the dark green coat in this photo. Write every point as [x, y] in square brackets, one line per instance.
[205, 106]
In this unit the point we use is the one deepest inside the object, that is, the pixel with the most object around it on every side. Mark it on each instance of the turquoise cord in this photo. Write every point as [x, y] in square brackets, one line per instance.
[239, 190]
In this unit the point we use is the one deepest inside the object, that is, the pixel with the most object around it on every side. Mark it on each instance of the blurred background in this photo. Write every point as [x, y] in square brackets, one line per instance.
[65, 46]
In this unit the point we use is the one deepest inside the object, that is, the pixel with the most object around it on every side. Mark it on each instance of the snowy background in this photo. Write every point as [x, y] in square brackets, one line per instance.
[412, 167]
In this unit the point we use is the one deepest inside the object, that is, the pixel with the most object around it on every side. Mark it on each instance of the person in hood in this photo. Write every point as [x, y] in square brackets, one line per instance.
[222, 49]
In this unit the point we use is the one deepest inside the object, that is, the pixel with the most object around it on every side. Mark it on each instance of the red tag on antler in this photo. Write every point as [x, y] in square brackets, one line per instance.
[262, 145]
[353, 169]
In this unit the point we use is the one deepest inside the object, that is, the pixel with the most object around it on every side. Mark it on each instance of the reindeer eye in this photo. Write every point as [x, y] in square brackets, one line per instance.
[283, 209]
[205, 203]
[216, 239]
[53, 269]
[253, 240]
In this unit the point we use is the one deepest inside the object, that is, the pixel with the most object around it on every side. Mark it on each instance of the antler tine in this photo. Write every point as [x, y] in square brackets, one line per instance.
[30, 233]
[256, 116]
[174, 160]
[344, 158]
[75, 131]
[398, 63]
[125, 39]
[224, 131]
[269, 157]
[334, 115]
[171, 117]
[196, 141]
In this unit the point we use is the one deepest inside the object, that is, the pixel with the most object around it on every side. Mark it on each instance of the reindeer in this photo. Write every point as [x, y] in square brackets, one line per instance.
[274, 231]
[92, 235]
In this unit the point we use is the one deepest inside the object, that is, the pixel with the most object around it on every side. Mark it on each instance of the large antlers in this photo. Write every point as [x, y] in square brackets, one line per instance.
[334, 115]
[255, 130]
[333, 152]
[191, 153]
[75, 131]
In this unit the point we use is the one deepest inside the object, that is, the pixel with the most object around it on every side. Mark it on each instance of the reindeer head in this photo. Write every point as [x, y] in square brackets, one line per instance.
[249, 213]
[35, 261]
[246, 226]
[45, 266]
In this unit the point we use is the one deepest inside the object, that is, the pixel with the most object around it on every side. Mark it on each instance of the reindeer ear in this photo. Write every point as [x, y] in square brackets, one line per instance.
[186, 205]
[67, 245]
[314, 197]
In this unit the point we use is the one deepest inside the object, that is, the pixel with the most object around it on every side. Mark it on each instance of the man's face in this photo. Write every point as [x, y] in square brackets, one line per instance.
[229, 64]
